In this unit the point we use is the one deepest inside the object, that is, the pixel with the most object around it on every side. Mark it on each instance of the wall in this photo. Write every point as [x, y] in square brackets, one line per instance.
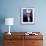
[11, 8]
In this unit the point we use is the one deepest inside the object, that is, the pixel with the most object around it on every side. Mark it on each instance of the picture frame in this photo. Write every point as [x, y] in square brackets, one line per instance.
[25, 12]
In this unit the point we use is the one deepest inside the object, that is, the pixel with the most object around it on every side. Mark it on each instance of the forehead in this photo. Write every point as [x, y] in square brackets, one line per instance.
[24, 11]
[28, 10]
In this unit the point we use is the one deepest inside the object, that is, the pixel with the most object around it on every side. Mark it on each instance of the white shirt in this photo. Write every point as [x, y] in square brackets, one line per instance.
[28, 19]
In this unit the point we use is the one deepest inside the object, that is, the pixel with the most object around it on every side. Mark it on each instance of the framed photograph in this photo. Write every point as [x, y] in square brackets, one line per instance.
[27, 15]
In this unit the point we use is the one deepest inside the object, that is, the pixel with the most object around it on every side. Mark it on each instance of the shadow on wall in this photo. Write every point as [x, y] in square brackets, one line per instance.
[2, 21]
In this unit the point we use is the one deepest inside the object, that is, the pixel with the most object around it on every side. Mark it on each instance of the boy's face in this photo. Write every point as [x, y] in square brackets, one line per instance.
[28, 14]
